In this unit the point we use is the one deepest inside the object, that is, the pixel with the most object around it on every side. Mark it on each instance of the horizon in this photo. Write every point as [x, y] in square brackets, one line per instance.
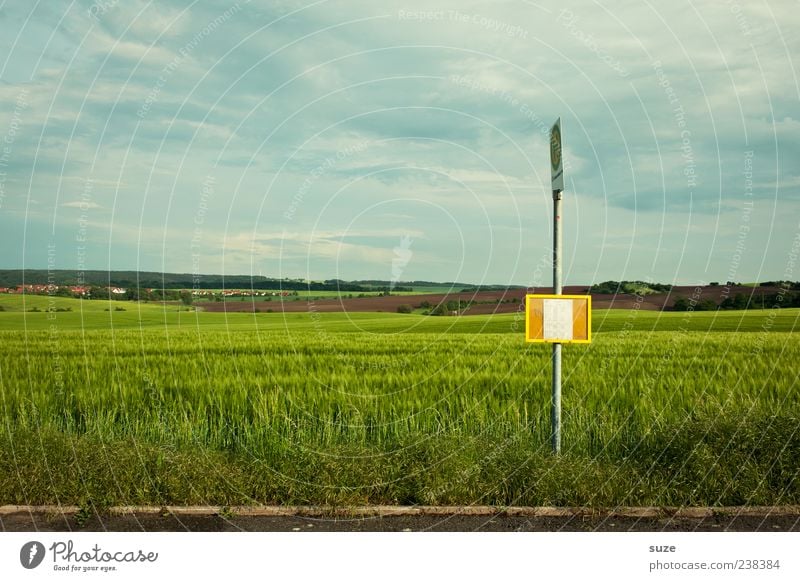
[401, 140]
[398, 282]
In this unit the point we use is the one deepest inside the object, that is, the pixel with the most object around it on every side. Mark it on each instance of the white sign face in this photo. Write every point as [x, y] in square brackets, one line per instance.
[556, 159]
[557, 319]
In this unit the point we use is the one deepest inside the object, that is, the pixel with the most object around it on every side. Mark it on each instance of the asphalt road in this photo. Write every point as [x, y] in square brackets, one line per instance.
[18, 522]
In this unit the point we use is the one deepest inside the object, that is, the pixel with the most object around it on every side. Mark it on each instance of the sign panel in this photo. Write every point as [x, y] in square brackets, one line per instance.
[558, 318]
[556, 160]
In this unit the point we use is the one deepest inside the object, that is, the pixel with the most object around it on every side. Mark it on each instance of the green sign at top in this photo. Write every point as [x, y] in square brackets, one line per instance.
[556, 160]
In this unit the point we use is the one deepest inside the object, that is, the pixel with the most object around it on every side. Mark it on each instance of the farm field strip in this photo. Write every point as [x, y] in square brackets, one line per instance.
[100, 315]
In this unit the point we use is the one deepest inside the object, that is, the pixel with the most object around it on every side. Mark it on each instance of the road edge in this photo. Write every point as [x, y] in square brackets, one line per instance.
[385, 511]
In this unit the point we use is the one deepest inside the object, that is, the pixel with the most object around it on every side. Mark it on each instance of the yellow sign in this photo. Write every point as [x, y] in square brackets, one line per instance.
[558, 318]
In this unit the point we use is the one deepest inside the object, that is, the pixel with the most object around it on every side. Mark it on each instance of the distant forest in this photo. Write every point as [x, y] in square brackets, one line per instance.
[167, 280]
[613, 287]
[638, 287]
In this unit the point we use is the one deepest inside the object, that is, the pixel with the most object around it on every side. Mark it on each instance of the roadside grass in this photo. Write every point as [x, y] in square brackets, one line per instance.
[708, 464]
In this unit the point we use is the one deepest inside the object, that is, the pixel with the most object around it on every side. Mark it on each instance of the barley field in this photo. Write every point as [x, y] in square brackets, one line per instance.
[141, 407]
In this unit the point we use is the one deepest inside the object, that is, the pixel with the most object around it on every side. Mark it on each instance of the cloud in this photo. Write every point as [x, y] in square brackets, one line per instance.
[81, 205]
[339, 251]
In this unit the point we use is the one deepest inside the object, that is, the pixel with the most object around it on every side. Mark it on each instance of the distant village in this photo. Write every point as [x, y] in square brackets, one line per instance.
[115, 292]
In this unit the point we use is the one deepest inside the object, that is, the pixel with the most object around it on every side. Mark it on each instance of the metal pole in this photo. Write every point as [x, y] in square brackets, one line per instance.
[556, 404]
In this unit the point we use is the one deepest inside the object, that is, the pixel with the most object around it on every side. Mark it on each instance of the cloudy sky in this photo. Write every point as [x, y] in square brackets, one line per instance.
[408, 140]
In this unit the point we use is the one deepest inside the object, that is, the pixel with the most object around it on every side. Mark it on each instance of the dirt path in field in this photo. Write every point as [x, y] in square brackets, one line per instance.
[452, 519]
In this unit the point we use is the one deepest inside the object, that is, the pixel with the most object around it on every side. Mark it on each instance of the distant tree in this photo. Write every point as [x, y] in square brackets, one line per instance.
[706, 305]
[405, 309]
[680, 304]
[186, 298]
[438, 310]
[636, 288]
[740, 302]
[608, 287]
[99, 292]
[713, 284]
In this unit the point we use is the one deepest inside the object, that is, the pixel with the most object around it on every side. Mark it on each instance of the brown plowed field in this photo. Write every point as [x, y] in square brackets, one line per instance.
[486, 302]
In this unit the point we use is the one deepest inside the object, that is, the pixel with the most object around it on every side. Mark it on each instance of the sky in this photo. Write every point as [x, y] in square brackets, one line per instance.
[402, 140]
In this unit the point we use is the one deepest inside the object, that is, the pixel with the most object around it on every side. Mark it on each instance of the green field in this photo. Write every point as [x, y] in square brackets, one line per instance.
[156, 406]
[96, 315]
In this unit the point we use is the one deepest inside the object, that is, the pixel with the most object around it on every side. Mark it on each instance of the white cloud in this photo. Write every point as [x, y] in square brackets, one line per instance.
[81, 205]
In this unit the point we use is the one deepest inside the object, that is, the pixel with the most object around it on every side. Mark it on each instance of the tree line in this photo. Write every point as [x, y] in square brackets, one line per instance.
[740, 302]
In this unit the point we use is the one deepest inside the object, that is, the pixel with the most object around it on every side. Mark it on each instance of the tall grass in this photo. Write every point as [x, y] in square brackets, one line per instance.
[180, 415]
